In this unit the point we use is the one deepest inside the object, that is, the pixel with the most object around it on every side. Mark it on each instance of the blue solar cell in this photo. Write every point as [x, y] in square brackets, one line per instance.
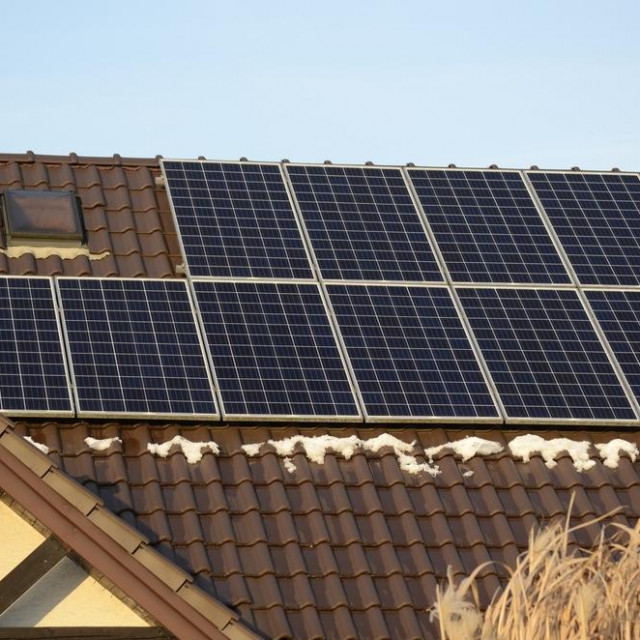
[410, 353]
[618, 313]
[273, 350]
[135, 348]
[34, 376]
[236, 220]
[597, 218]
[544, 355]
[363, 224]
[487, 227]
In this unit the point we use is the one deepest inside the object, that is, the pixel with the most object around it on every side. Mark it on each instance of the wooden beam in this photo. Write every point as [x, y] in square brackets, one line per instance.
[83, 633]
[39, 562]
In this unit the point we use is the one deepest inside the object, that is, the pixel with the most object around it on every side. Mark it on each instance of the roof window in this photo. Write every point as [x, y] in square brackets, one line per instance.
[43, 216]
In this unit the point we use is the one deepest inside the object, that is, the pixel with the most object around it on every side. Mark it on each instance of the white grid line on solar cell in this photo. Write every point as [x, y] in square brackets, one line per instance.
[410, 353]
[362, 223]
[487, 227]
[274, 351]
[618, 313]
[544, 355]
[135, 349]
[597, 219]
[236, 220]
[34, 377]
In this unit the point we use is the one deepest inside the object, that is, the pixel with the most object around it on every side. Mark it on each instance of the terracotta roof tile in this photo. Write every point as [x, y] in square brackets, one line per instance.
[117, 199]
[338, 623]
[306, 624]
[144, 200]
[393, 592]
[25, 265]
[371, 624]
[185, 528]
[218, 528]
[35, 175]
[275, 622]
[11, 175]
[121, 220]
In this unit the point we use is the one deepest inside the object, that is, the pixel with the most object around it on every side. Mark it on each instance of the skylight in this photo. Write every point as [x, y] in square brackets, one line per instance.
[37, 216]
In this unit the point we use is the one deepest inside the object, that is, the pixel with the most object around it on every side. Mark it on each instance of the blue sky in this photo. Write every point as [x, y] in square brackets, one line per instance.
[553, 83]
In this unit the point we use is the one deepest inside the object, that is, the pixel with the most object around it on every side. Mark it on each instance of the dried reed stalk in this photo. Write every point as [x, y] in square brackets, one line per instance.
[555, 592]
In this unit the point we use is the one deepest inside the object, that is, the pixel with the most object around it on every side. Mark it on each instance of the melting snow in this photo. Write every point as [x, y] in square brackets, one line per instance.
[37, 445]
[66, 253]
[100, 445]
[317, 447]
[467, 448]
[289, 465]
[252, 449]
[610, 452]
[193, 451]
[524, 446]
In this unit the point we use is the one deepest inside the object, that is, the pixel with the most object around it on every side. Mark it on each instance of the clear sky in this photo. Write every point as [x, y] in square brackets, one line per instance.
[548, 82]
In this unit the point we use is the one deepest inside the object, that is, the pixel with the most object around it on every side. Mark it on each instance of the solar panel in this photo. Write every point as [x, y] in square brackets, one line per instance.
[34, 376]
[544, 355]
[597, 218]
[618, 313]
[236, 220]
[135, 349]
[487, 227]
[273, 351]
[363, 224]
[410, 353]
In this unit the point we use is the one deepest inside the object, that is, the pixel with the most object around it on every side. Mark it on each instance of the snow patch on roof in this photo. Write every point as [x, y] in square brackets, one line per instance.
[42, 252]
[524, 446]
[317, 447]
[101, 445]
[193, 451]
[37, 445]
[252, 450]
[610, 452]
[289, 465]
[466, 448]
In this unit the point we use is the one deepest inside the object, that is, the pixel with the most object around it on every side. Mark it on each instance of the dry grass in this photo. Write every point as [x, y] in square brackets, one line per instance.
[554, 593]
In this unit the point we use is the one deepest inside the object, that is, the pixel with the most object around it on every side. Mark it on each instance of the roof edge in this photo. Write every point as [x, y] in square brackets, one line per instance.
[74, 158]
[111, 546]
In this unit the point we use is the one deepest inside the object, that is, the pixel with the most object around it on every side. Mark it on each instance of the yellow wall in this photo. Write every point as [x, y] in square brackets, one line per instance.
[67, 596]
[17, 539]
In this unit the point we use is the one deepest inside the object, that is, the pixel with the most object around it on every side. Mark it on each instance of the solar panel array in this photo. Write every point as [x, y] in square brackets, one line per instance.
[544, 355]
[236, 220]
[487, 227]
[410, 353]
[274, 351]
[363, 224]
[324, 292]
[597, 218]
[618, 313]
[34, 378]
[134, 348]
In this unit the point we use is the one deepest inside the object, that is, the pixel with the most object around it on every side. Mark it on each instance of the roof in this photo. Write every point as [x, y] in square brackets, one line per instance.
[345, 549]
